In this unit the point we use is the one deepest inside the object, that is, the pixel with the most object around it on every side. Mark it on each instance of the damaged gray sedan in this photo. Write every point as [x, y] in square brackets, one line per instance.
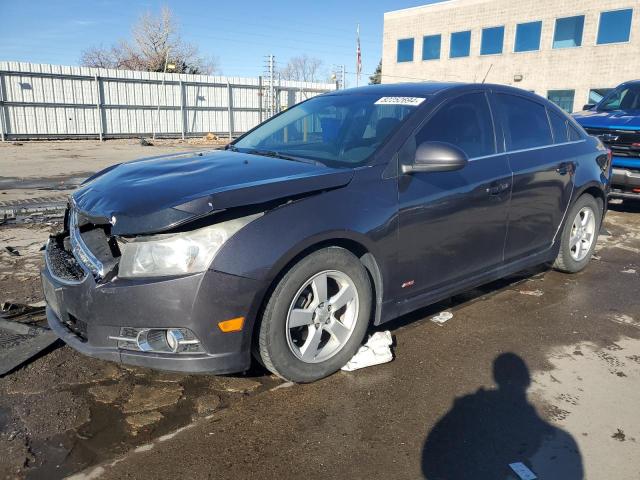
[347, 210]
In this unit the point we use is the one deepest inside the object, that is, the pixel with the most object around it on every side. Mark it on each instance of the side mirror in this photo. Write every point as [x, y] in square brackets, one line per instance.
[588, 106]
[437, 157]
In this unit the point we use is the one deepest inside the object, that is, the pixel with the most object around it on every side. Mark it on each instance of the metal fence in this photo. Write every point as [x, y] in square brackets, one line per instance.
[53, 101]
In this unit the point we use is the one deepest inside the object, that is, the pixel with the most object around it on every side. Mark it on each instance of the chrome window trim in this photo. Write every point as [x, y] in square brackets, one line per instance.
[507, 152]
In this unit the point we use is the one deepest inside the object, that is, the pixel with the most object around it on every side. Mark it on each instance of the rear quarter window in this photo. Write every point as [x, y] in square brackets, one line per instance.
[558, 126]
[524, 122]
[574, 133]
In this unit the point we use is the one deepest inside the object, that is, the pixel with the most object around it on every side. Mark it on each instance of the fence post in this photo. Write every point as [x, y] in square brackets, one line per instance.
[230, 109]
[2, 108]
[260, 94]
[182, 111]
[99, 102]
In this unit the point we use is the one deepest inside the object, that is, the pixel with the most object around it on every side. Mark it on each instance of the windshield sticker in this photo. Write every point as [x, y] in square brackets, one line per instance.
[411, 101]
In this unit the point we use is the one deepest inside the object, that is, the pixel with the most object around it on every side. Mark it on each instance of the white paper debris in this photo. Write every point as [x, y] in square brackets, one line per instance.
[522, 471]
[375, 352]
[411, 101]
[533, 293]
[629, 270]
[442, 317]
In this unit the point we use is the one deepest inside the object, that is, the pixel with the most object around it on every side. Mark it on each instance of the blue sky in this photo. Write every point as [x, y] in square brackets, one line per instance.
[240, 34]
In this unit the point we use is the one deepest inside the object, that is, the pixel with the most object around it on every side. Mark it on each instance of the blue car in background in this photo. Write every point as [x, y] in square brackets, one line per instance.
[616, 121]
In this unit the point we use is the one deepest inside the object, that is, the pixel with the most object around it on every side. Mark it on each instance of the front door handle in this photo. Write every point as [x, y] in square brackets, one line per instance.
[498, 188]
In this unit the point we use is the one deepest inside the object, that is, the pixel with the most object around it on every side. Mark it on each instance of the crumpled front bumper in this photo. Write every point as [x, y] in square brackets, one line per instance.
[85, 314]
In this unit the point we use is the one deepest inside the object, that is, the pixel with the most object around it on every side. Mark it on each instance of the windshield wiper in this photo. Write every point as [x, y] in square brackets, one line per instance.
[274, 154]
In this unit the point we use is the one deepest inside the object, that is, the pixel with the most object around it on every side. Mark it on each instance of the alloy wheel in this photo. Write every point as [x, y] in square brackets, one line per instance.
[582, 234]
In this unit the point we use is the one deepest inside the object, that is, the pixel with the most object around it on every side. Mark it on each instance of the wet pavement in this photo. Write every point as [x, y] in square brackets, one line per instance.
[542, 368]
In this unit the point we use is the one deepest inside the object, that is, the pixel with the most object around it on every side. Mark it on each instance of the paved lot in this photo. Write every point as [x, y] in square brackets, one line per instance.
[542, 368]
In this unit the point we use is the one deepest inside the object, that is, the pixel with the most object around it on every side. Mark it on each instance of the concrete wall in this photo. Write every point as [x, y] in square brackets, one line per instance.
[580, 69]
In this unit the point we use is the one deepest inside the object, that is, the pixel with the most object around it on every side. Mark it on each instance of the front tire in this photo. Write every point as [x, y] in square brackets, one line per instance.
[316, 317]
[579, 235]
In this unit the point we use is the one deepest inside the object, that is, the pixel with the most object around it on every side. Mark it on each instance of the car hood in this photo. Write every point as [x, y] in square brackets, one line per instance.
[156, 194]
[616, 119]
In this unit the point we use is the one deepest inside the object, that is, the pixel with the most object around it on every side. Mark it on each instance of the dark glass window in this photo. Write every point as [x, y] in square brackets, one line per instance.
[568, 32]
[464, 122]
[431, 47]
[558, 126]
[528, 37]
[615, 26]
[492, 41]
[562, 98]
[625, 97]
[524, 122]
[405, 50]
[460, 44]
[574, 134]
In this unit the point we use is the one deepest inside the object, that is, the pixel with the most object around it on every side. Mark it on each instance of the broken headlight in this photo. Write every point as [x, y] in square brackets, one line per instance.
[176, 253]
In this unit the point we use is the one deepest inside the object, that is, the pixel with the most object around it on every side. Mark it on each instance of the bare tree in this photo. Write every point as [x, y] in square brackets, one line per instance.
[155, 41]
[304, 69]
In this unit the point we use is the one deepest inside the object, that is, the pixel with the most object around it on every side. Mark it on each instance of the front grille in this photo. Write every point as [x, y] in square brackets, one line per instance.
[621, 142]
[61, 263]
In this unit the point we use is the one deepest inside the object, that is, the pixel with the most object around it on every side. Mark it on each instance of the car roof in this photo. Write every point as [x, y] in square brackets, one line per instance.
[400, 89]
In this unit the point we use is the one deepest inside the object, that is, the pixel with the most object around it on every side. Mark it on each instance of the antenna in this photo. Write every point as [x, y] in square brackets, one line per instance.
[487, 74]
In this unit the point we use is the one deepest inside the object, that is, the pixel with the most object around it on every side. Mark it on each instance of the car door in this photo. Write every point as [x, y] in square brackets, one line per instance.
[452, 225]
[542, 174]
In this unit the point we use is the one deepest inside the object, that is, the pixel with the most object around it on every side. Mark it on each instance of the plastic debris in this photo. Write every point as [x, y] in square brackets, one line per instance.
[442, 317]
[376, 351]
[12, 251]
[533, 293]
[523, 472]
[629, 270]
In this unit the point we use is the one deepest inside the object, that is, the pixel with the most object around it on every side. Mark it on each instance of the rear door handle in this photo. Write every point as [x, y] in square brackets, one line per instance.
[564, 168]
[498, 188]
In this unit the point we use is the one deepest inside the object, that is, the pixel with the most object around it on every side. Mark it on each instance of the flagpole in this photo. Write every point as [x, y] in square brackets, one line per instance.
[358, 56]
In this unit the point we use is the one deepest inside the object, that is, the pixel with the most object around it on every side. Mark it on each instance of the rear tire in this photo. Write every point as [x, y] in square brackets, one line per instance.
[316, 317]
[579, 235]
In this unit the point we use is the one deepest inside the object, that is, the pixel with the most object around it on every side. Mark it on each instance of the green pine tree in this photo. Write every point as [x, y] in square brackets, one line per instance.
[377, 75]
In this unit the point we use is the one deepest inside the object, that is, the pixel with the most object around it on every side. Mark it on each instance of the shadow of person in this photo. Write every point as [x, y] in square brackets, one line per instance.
[486, 431]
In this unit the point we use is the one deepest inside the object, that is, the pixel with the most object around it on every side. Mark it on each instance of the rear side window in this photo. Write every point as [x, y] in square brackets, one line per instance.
[524, 122]
[574, 134]
[464, 122]
[558, 126]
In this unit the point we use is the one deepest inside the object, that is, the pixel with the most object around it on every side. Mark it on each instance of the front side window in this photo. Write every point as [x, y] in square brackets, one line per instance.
[562, 98]
[431, 47]
[460, 44]
[625, 98]
[464, 122]
[405, 50]
[615, 26]
[528, 37]
[568, 32]
[336, 130]
[524, 122]
[492, 41]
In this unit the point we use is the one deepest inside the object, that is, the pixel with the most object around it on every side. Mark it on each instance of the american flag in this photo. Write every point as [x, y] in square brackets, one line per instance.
[358, 55]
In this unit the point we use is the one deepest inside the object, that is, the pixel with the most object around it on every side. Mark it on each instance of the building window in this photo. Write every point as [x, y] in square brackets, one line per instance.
[562, 98]
[460, 44]
[597, 94]
[568, 32]
[405, 50]
[614, 27]
[528, 37]
[431, 47]
[492, 41]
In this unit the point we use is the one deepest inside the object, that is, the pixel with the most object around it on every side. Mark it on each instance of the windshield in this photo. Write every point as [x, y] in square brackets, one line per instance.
[336, 130]
[625, 98]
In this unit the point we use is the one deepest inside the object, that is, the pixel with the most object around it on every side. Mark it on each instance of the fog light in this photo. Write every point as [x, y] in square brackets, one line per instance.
[174, 338]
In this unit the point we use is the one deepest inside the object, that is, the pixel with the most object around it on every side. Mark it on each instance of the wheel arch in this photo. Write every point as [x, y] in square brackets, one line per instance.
[350, 244]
